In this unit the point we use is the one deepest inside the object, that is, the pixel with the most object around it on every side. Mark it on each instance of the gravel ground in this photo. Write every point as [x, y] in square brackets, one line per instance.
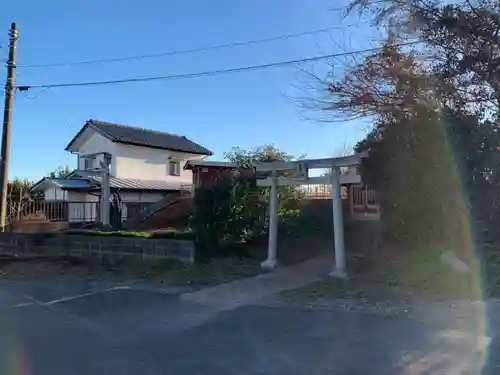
[154, 274]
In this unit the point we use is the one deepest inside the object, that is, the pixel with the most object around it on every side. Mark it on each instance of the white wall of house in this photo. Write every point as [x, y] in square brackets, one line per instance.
[96, 143]
[135, 162]
[146, 163]
[58, 194]
[82, 206]
[55, 194]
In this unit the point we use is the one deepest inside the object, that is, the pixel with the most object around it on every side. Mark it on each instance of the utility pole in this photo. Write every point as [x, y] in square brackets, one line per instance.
[7, 124]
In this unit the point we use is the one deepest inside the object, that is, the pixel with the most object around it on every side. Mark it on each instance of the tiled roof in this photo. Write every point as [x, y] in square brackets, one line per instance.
[133, 184]
[85, 181]
[208, 163]
[143, 137]
[64, 183]
[125, 183]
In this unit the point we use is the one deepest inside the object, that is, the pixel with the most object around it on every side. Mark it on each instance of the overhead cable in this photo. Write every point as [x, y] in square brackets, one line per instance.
[208, 73]
[187, 51]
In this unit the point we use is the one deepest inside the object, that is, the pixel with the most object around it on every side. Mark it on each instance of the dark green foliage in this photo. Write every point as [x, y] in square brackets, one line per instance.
[212, 205]
[435, 177]
[412, 170]
[59, 172]
[236, 211]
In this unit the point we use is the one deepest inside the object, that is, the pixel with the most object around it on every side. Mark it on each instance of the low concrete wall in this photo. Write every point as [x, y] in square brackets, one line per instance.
[54, 245]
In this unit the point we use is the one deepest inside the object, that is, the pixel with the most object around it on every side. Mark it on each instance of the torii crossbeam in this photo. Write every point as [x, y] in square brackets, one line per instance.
[301, 169]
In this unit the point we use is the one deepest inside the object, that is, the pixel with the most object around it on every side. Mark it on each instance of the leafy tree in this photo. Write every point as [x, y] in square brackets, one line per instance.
[435, 108]
[59, 172]
[18, 188]
[410, 164]
[245, 158]
[18, 196]
[236, 210]
[459, 42]
[288, 196]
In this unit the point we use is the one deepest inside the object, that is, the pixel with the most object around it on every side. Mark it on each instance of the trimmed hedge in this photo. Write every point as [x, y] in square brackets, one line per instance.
[174, 235]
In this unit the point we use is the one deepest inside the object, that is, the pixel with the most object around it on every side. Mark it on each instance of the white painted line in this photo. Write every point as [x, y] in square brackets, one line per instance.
[78, 296]
[71, 317]
[68, 298]
[24, 304]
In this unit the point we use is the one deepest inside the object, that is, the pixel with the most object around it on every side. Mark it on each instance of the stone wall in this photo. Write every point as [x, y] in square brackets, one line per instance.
[55, 245]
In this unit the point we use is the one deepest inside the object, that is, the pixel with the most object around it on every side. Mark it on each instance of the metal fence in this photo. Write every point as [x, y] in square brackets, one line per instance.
[317, 191]
[321, 191]
[73, 212]
[364, 200]
[54, 211]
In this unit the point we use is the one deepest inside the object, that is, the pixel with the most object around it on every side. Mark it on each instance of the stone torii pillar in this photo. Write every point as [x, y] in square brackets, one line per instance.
[335, 179]
[272, 249]
[338, 224]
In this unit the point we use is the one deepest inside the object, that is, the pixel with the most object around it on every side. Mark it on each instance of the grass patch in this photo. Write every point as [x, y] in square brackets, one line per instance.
[328, 290]
[213, 272]
[165, 273]
[400, 275]
[422, 272]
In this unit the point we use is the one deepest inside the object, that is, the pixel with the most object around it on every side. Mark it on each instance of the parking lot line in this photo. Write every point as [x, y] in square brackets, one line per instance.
[68, 298]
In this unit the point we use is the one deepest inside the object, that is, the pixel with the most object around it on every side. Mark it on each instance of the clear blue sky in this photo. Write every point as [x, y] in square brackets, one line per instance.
[245, 110]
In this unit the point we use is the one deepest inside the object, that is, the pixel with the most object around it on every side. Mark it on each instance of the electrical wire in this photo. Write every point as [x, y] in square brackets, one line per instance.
[187, 51]
[345, 7]
[209, 73]
[36, 96]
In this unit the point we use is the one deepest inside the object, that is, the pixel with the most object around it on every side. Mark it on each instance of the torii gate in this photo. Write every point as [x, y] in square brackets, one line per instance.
[302, 167]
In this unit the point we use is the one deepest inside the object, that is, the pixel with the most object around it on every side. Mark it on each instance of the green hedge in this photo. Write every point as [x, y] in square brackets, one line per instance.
[177, 235]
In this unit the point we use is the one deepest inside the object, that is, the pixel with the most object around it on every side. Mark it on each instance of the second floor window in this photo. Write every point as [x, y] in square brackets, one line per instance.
[88, 163]
[174, 168]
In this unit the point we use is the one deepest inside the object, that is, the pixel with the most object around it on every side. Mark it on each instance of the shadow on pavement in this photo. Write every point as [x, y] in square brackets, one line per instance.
[263, 340]
[130, 332]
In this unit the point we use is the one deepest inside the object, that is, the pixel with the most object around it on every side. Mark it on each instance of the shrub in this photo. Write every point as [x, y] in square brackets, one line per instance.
[172, 234]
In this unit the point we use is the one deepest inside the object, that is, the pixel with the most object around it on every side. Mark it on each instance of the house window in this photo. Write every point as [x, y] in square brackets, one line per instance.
[88, 163]
[174, 168]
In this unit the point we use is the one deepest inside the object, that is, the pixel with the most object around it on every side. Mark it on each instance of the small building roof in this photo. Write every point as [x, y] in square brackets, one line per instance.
[142, 137]
[133, 184]
[81, 180]
[62, 183]
[209, 164]
[71, 183]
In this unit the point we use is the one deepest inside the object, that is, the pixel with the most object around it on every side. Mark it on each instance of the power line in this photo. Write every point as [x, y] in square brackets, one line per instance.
[37, 95]
[192, 50]
[208, 73]
[345, 7]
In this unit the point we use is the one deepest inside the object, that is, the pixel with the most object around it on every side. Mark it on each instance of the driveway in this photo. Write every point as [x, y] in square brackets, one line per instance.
[60, 327]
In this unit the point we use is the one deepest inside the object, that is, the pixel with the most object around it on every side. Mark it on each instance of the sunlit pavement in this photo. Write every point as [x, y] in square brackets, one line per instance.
[71, 327]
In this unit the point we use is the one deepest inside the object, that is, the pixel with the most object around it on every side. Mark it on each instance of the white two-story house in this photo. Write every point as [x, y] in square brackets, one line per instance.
[145, 164]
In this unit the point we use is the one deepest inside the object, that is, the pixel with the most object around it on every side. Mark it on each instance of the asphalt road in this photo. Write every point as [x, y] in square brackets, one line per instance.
[61, 328]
